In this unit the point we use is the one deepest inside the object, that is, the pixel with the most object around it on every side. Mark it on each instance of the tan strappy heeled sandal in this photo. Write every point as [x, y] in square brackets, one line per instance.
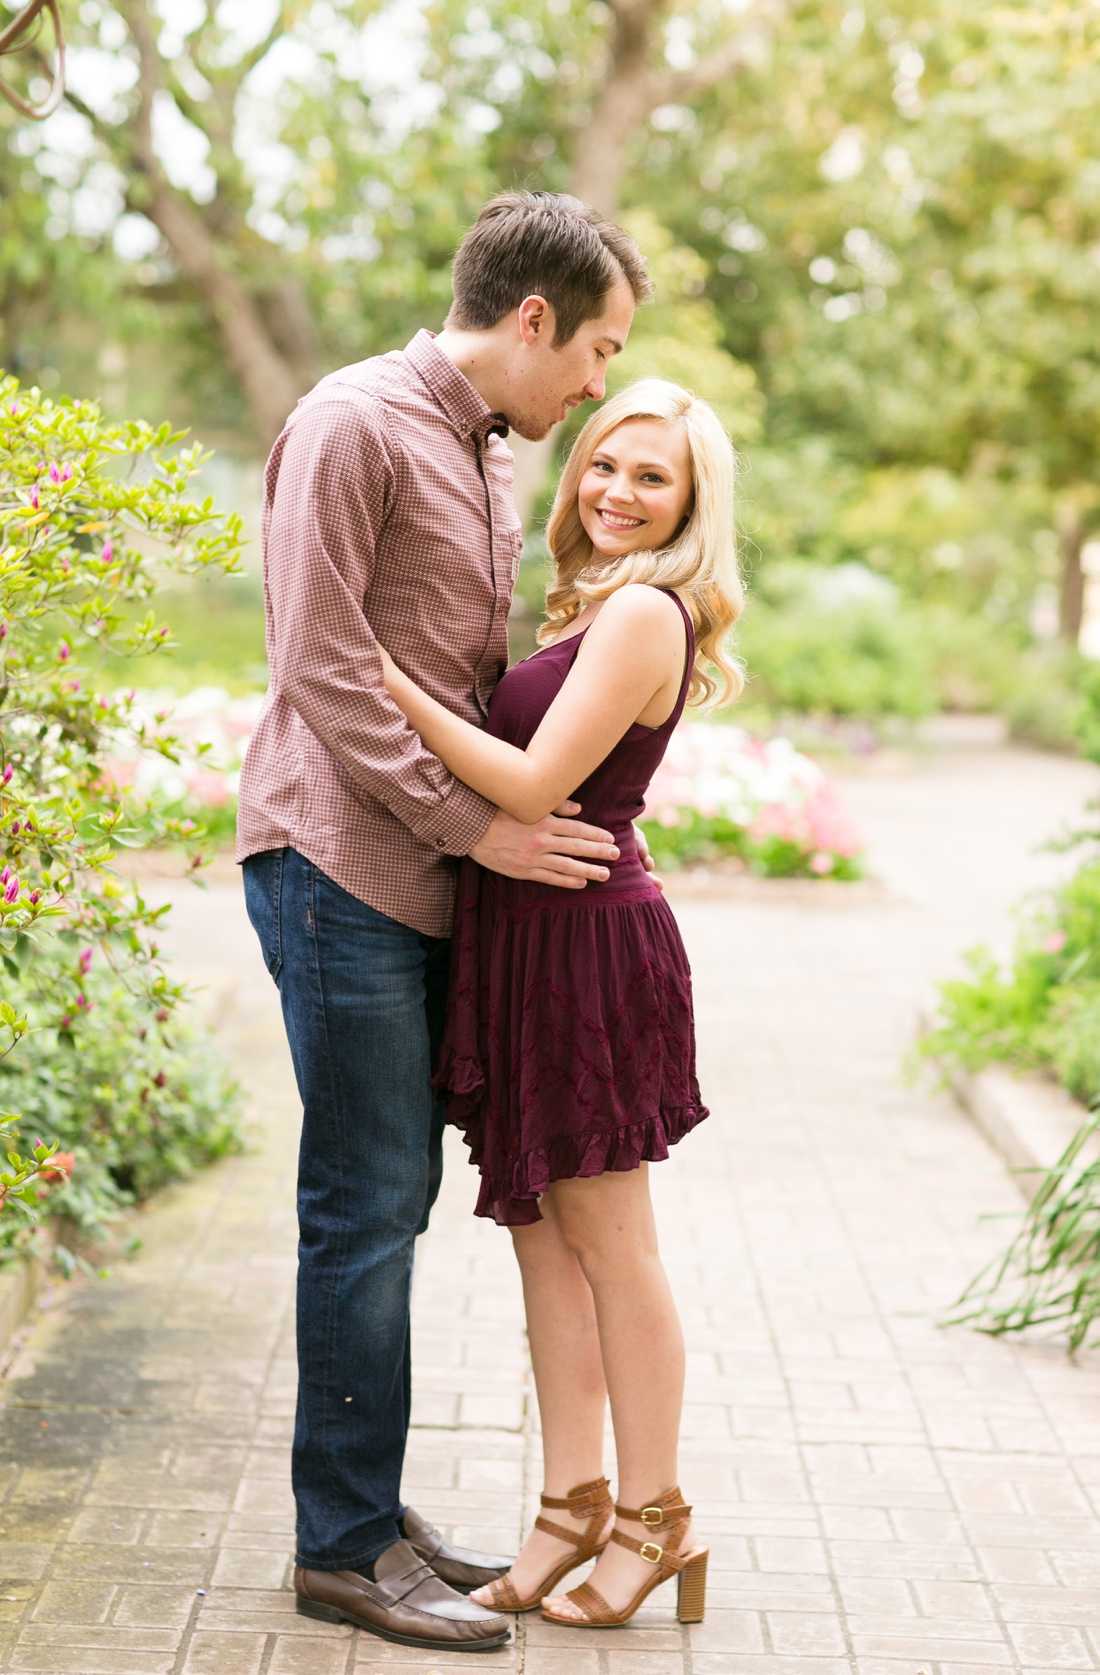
[667, 1512]
[589, 1500]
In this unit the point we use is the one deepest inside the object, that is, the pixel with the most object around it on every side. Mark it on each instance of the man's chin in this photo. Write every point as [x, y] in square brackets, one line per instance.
[529, 427]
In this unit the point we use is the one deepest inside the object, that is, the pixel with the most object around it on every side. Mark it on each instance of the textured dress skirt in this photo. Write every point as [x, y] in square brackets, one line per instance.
[569, 1047]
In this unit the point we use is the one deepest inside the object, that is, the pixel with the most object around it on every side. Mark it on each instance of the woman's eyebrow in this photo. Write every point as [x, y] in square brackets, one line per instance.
[639, 465]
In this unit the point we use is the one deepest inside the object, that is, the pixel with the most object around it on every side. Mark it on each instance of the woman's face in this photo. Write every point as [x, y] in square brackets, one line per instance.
[636, 489]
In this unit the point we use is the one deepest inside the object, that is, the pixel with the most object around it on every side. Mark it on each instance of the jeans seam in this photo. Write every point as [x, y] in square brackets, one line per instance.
[277, 914]
[336, 1105]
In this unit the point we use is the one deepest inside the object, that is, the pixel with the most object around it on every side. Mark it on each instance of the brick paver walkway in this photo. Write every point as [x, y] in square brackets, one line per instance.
[880, 1495]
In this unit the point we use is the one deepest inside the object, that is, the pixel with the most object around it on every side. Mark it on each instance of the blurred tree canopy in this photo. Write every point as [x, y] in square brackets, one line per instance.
[876, 227]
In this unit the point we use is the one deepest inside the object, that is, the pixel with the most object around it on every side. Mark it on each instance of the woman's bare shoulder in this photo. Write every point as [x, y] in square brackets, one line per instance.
[639, 607]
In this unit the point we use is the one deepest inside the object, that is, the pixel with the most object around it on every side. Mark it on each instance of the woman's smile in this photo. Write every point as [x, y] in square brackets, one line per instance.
[617, 520]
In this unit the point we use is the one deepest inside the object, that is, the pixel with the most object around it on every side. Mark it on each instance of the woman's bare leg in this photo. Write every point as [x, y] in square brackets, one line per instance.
[572, 1396]
[607, 1222]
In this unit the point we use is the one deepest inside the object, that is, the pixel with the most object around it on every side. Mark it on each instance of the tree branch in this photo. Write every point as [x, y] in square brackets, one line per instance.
[632, 88]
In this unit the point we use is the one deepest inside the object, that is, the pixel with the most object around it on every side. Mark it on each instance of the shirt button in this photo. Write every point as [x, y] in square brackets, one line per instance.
[438, 843]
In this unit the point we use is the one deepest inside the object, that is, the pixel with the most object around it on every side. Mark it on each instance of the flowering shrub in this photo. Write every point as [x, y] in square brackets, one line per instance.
[198, 785]
[90, 513]
[720, 792]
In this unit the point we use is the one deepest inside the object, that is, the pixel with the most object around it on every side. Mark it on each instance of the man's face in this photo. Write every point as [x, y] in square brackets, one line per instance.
[548, 380]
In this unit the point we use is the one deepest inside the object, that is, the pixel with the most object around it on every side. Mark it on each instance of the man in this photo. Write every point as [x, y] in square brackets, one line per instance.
[389, 511]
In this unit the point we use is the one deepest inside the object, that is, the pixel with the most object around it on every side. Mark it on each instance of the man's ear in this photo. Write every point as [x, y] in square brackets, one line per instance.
[536, 320]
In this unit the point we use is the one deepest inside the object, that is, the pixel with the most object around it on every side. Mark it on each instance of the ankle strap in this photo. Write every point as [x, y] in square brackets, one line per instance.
[656, 1516]
[585, 1498]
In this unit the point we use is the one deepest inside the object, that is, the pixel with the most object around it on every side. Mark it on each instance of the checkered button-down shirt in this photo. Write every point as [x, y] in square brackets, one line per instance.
[388, 511]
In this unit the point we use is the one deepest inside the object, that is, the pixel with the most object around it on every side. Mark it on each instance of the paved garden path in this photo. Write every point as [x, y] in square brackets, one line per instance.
[880, 1495]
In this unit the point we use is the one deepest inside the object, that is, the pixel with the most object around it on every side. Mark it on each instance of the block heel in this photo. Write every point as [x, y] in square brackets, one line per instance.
[691, 1589]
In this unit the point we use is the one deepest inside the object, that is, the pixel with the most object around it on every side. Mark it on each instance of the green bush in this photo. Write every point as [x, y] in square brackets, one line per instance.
[842, 642]
[1043, 1012]
[701, 839]
[133, 1100]
[92, 516]
[834, 642]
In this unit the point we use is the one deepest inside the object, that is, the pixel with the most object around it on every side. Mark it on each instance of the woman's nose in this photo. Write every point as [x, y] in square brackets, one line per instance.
[619, 489]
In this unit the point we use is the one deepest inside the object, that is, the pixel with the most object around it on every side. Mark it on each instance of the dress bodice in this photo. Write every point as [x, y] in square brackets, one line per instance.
[613, 796]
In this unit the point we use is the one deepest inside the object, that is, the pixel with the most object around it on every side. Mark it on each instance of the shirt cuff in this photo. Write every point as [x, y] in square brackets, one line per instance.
[460, 821]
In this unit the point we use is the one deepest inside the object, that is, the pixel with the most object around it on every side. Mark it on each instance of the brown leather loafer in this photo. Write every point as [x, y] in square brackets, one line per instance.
[407, 1603]
[460, 1567]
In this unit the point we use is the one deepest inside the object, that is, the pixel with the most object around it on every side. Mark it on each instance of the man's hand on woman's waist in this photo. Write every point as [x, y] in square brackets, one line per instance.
[558, 850]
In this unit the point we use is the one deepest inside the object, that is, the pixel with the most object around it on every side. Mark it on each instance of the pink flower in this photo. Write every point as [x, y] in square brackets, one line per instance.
[85, 960]
[59, 1167]
[5, 875]
[1054, 943]
[55, 475]
[208, 787]
[15, 828]
[821, 863]
[11, 894]
[35, 497]
[66, 472]
[8, 771]
[3, 630]
[108, 550]
[35, 897]
[64, 652]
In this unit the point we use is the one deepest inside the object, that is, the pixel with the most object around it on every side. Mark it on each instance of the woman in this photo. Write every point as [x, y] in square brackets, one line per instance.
[569, 1057]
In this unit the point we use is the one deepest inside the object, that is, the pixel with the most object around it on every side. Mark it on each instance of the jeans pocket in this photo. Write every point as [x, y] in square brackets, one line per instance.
[263, 895]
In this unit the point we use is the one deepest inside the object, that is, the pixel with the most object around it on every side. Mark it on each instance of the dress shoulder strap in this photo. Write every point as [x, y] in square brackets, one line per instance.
[689, 658]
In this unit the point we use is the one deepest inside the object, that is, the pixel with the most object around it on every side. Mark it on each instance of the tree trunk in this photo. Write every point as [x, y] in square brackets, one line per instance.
[1071, 605]
[624, 102]
[270, 384]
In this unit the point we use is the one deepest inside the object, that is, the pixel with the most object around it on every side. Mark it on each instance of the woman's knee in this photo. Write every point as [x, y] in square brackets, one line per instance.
[604, 1224]
[540, 1248]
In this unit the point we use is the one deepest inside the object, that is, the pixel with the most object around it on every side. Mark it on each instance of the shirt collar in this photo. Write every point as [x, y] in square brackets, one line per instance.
[466, 409]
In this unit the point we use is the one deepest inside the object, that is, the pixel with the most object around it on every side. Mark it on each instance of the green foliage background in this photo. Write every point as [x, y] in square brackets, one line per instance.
[877, 246]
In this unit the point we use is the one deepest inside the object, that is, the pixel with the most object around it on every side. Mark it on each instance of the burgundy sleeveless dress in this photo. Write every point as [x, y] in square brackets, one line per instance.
[569, 1044]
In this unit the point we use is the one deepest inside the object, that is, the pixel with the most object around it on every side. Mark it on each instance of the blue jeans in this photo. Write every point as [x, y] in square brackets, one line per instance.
[363, 1001]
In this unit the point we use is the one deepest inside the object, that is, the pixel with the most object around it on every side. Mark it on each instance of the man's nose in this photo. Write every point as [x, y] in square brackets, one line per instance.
[596, 385]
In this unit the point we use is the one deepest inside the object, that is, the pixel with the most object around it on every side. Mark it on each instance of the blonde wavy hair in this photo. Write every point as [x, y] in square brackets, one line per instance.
[700, 563]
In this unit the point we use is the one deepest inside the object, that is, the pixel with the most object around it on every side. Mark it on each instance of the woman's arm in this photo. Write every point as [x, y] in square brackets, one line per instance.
[634, 647]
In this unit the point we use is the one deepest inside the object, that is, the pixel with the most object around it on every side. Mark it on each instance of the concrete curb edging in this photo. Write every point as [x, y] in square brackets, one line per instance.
[21, 1287]
[1027, 1118]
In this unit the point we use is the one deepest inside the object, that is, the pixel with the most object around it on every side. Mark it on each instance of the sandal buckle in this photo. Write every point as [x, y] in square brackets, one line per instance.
[652, 1516]
[651, 1553]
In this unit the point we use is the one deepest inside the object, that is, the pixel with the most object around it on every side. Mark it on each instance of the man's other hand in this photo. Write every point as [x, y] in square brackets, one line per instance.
[647, 859]
[558, 850]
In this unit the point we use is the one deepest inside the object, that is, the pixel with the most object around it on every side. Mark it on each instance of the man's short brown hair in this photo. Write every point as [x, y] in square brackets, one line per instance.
[542, 244]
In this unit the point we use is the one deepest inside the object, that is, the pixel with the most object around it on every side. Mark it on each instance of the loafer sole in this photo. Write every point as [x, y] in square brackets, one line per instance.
[336, 1614]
